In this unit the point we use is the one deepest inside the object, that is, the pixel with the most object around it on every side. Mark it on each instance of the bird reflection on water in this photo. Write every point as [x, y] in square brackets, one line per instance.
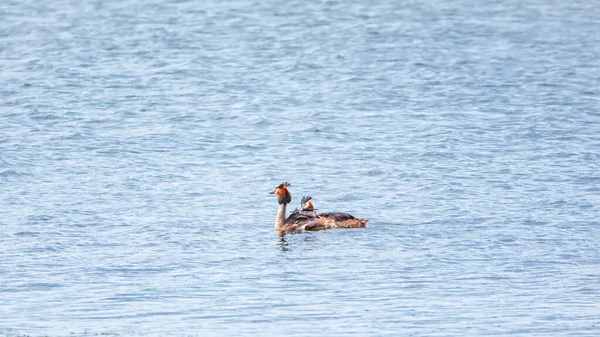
[286, 244]
[283, 244]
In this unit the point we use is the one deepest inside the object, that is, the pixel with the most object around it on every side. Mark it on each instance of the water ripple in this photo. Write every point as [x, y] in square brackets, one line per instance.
[140, 140]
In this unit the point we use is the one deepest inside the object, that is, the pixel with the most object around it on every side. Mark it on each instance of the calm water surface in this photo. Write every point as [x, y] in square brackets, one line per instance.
[139, 141]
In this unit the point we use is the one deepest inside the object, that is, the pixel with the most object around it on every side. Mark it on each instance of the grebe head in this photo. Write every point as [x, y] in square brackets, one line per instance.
[306, 204]
[283, 194]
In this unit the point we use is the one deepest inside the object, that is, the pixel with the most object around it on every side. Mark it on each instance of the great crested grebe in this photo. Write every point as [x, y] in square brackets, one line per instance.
[307, 219]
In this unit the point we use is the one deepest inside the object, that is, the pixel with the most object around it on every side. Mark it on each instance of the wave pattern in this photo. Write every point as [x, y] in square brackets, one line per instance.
[140, 139]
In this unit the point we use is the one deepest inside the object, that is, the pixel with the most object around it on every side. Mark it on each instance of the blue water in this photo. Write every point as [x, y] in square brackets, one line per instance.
[139, 141]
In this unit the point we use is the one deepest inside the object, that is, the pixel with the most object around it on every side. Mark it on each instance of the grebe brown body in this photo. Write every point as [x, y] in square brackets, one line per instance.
[306, 218]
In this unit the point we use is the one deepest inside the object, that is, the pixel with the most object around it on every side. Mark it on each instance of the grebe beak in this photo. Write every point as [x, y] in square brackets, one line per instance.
[272, 192]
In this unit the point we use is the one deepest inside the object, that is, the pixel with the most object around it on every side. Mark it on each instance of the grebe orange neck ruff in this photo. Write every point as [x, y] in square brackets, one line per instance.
[284, 197]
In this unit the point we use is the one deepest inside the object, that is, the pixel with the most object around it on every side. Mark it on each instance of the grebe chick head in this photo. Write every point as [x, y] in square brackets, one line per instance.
[306, 204]
[283, 194]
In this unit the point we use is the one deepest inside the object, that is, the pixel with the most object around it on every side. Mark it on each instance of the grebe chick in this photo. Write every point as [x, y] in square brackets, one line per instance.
[307, 219]
[306, 214]
[306, 204]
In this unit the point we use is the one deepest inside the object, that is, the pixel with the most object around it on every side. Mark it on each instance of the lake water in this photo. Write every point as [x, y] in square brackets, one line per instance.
[139, 141]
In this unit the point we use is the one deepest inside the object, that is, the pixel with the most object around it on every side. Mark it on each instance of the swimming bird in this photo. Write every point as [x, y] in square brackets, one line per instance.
[306, 218]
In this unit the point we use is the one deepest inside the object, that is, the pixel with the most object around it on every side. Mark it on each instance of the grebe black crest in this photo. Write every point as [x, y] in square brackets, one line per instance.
[283, 194]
